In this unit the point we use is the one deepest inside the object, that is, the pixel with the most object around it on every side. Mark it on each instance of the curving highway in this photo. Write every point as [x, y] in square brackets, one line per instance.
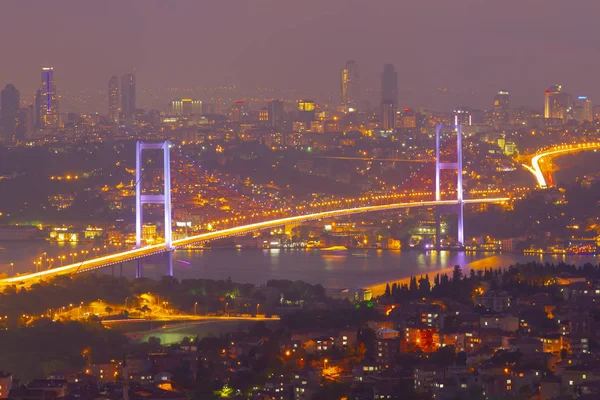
[536, 169]
[134, 254]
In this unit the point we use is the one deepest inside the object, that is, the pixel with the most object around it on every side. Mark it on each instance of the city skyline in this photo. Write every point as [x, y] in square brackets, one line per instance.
[493, 59]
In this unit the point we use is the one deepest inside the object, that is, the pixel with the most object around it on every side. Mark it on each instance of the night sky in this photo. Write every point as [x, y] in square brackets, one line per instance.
[472, 47]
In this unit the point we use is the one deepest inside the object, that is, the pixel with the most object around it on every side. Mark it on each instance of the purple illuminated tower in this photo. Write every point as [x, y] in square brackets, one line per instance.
[141, 199]
[458, 167]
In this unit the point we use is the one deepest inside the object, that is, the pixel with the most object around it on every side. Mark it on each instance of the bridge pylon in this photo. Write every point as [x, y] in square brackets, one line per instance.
[458, 167]
[141, 199]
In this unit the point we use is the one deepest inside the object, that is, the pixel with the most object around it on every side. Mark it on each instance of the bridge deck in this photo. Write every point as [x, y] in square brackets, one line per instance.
[134, 254]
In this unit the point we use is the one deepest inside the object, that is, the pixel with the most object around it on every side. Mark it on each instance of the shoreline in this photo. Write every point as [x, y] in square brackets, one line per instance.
[379, 288]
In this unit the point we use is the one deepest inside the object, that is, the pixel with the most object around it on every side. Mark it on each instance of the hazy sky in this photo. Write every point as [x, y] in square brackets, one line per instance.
[472, 47]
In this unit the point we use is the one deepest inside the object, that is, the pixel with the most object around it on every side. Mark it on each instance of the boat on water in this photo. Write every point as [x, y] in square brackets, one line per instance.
[334, 250]
[364, 254]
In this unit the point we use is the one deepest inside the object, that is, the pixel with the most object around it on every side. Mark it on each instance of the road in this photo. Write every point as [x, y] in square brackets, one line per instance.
[134, 254]
[188, 318]
[536, 167]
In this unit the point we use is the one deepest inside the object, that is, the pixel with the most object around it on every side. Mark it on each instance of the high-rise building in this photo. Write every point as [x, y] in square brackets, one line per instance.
[388, 115]
[389, 96]
[128, 95]
[350, 85]
[389, 85]
[556, 103]
[306, 110]
[502, 112]
[275, 112]
[583, 109]
[24, 123]
[9, 102]
[49, 111]
[113, 99]
[38, 110]
[186, 107]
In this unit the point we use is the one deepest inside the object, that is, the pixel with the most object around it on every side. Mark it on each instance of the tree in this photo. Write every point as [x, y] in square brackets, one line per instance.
[424, 285]
[388, 291]
[108, 310]
[456, 274]
[204, 390]
[413, 287]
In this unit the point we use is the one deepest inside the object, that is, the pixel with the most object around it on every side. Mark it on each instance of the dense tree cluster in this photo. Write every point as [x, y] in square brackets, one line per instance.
[182, 295]
[48, 347]
[518, 279]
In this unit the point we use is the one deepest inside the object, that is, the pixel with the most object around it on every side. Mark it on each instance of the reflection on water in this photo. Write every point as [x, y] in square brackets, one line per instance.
[350, 269]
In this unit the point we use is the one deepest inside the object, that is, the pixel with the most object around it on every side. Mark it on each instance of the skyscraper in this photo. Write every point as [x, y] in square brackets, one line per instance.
[350, 85]
[389, 84]
[128, 95]
[9, 101]
[275, 112]
[556, 103]
[388, 115]
[38, 110]
[113, 99]
[24, 123]
[389, 96]
[584, 110]
[49, 114]
[502, 112]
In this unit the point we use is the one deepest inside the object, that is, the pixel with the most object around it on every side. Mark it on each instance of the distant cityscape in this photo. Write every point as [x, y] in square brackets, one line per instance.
[43, 120]
[374, 199]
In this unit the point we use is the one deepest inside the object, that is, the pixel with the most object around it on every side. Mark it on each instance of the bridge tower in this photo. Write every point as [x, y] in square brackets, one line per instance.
[458, 167]
[141, 199]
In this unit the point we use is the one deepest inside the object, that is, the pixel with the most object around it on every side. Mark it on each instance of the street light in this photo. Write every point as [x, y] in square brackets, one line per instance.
[195, 304]
[257, 305]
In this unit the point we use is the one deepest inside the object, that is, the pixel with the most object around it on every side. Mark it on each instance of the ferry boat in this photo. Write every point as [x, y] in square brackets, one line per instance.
[335, 250]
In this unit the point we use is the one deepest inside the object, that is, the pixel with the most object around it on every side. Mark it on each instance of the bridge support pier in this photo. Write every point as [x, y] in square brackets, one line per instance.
[139, 269]
[438, 228]
[169, 255]
[458, 167]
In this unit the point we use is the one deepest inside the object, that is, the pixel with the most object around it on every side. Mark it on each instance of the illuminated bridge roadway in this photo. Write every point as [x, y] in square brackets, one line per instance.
[134, 254]
[542, 171]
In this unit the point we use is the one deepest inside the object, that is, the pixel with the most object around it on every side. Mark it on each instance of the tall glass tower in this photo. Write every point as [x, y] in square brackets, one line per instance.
[113, 99]
[49, 100]
[128, 95]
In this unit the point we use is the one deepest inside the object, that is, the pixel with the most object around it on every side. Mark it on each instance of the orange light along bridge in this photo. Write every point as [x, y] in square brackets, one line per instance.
[142, 252]
[540, 164]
